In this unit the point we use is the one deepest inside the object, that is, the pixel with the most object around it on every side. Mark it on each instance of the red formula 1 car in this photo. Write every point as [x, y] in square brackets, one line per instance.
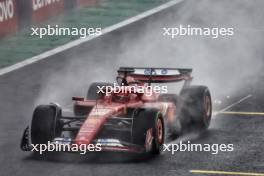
[129, 116]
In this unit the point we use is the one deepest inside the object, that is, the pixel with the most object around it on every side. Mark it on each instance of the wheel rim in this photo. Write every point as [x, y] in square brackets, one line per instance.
[207, 105]
[159, 131]
[148, 140]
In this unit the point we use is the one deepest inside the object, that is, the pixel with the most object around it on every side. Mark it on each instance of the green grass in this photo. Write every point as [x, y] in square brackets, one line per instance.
[22, 45]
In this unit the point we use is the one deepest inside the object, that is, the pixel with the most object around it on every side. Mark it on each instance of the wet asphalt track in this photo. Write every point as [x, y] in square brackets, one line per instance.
[20, 89]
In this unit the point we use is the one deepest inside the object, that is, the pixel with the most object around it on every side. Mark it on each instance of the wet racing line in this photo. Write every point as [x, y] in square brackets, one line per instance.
[228, 111]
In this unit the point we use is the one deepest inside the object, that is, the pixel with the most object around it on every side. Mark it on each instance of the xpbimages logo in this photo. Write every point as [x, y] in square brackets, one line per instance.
[65, 31]
[189, 30]
[142, 89]
[59, 147]
[189, 147]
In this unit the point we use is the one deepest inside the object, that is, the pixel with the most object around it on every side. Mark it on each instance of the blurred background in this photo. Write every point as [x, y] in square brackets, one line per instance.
[18, 16]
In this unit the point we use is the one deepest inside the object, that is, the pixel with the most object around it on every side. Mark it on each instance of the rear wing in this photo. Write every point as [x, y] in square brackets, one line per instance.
[157, 75]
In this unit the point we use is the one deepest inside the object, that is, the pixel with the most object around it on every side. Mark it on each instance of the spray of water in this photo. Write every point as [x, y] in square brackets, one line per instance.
[225, 64]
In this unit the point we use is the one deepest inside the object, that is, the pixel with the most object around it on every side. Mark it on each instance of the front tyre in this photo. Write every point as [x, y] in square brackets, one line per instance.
[45, 124]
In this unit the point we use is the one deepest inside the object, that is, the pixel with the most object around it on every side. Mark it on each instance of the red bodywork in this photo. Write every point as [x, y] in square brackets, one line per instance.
[106, 107]
[118, 120]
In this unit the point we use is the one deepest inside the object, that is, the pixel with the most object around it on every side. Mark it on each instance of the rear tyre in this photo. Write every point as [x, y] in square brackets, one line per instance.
[44, 124]
[197, 105]
[92, 93]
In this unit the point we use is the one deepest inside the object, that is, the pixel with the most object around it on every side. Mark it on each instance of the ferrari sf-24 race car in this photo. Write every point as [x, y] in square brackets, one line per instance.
[127, 122]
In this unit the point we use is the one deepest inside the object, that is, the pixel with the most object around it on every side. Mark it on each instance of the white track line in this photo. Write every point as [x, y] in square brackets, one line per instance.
[234, 104]
[80, 41]
[243, 113]
[207, 172]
